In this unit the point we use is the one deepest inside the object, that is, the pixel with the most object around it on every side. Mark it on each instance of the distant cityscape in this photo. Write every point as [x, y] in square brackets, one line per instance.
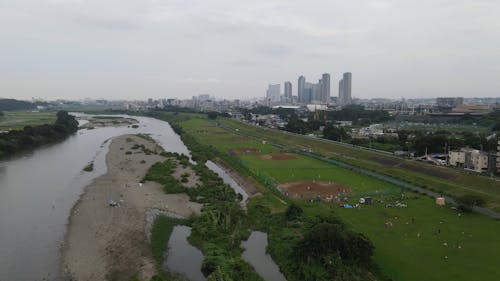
[311, 93]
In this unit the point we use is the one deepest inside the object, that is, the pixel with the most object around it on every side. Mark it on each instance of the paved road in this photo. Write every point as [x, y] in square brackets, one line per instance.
[379, 176]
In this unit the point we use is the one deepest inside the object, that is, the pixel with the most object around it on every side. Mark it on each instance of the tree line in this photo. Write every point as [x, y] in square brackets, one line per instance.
[31, 137]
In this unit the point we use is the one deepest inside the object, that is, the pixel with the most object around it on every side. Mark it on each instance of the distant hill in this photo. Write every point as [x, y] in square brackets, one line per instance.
[12, 104]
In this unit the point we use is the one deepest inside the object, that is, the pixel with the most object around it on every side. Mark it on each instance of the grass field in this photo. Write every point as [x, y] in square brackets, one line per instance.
[440, 179]
[426, 241]
[16, 120]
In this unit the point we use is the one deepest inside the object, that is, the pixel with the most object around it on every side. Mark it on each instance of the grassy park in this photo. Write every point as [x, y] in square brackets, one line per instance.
[440, 179]
[17, 120]
[421, 241]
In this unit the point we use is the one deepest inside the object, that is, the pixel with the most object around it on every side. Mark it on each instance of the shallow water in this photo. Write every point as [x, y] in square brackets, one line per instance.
[38, 190]
[255, 254]
[181, 257]
[228, 180]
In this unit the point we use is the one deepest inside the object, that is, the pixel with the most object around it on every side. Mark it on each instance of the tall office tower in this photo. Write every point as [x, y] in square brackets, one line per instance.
[316, 91]
[347, 80]
[341, 92]
[288, 91]
[325, 88]
[273, 93]
[300, 88]
[308, 92]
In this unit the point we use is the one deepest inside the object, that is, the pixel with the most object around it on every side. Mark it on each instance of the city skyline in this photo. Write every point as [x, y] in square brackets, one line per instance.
[134, 49]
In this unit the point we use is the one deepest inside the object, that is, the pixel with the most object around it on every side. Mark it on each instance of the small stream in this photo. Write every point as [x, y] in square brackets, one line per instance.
[181, 257]
[228, 180]
[255, 254]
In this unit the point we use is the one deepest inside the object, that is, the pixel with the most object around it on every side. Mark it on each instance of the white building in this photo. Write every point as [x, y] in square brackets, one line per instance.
[471, 159]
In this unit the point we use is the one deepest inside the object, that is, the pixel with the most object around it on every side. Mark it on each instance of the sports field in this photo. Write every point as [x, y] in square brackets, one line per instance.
[445, 180]
[16, 120]
[421, 241]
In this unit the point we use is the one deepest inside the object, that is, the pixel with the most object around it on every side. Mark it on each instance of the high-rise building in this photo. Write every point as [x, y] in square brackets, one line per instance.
[341, 90]
[273, 93]
[300, 88]
[318, 93]
[345, 89]
[288, 91]
[325, 88]
[308, 92]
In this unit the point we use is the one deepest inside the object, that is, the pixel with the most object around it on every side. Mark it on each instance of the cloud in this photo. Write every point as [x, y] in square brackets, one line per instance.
[162, 47]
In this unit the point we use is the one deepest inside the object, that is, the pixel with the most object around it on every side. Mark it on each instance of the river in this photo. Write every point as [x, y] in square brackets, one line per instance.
[38, 190]
[255, 254]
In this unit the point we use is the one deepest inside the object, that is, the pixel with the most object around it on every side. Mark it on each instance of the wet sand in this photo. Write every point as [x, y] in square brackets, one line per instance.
[104, 242]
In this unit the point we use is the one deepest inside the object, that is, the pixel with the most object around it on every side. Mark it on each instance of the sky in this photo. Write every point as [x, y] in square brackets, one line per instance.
[137, 49]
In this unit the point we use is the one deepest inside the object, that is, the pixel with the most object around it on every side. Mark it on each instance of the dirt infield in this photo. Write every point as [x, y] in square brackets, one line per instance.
[278, 156]
[327, 191]
[244, 150]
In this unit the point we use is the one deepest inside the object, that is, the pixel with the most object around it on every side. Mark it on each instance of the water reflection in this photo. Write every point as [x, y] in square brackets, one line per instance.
[182, 258]
[255, 254]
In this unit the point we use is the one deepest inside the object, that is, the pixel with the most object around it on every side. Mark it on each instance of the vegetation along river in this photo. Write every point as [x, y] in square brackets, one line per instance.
[38, 189]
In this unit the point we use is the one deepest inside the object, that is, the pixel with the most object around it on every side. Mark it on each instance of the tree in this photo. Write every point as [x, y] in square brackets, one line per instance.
[468, 201]
[334, 133]
[298, 126]
[212, 115]
[329, 239]
[1, 113]
[293, 212]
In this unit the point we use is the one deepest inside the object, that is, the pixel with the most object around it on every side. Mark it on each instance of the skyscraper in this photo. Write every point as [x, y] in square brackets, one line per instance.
[347, 80]
[345, 89]
[288, 91]
[300, 88]
[308, 92]
[273, 93]
[325, 88]
[341, 92]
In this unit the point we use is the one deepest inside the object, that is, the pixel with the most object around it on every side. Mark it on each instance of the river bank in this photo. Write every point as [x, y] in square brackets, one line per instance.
[247, 184]
[106, 242]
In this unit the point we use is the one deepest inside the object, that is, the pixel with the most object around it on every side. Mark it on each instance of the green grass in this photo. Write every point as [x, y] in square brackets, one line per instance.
[16, 120]
[403, 255]
[442, 179]
[400, 252]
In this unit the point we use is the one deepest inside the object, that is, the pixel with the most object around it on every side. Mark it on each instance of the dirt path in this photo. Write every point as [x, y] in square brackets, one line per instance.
[110, 243]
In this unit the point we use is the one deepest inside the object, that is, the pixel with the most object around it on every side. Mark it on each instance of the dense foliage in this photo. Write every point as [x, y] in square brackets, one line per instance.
[34, 136]
[441, 140]
[359, 115]
[296, 125]
[334, 133]
[306, 247]
[468, 201]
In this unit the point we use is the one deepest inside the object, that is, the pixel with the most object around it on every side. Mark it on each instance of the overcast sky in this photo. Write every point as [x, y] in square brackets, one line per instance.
[136, 49]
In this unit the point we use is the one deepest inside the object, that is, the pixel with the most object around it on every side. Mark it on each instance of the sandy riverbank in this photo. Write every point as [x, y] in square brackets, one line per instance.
[106, 121]
[104, 242]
